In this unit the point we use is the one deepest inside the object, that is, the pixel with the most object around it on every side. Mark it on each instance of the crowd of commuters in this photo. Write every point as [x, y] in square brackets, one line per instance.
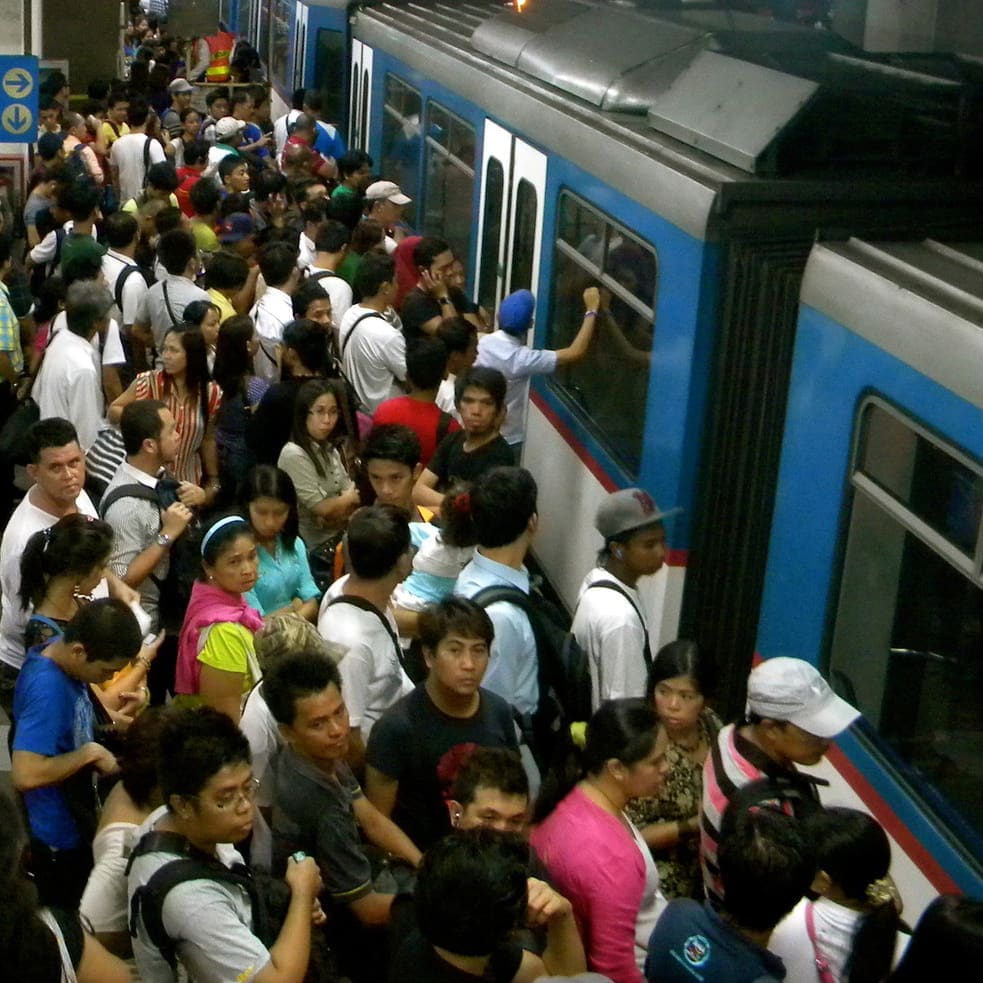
[269, 639]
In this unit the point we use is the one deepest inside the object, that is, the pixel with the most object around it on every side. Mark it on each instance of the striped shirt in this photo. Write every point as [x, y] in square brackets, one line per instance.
[732, 763]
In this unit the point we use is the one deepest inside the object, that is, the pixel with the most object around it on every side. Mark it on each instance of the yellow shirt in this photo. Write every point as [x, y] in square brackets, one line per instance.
[205, 238]
[224, 305]
[109, 134]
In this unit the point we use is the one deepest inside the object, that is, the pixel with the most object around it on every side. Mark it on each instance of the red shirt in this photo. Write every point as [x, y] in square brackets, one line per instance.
[189, 177]
[317, 161]
[424, 419]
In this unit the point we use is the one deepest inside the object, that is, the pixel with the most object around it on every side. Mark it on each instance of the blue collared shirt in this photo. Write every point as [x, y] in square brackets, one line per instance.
[512, 667]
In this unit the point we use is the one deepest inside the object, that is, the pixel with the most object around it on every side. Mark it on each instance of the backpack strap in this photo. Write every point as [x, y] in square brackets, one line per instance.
[609, 585]
[364, 605]
[124, 275]
[175, 320]
[146, 159]
[135, 490]
[351, 330]
[321, 275]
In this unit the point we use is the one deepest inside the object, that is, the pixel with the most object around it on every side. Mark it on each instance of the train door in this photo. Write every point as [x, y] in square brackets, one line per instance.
[300, 47]
[510, 231]
[361, 95]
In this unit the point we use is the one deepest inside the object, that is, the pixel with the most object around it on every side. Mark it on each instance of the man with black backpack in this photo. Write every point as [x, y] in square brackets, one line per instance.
[125, 279]
[608, 624]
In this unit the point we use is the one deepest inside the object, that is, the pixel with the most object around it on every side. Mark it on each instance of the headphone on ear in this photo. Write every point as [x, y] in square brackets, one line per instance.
[456, 817]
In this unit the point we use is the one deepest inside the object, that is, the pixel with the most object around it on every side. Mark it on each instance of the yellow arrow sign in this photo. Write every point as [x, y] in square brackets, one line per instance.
[18, 83]
[17, 119]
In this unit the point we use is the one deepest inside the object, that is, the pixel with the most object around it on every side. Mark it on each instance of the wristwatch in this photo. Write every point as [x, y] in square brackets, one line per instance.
[164, 540]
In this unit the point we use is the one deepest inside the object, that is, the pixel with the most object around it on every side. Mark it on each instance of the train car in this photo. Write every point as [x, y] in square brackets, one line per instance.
[875, 570]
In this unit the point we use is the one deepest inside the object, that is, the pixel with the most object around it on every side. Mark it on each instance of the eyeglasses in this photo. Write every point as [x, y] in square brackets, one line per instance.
[246, 795]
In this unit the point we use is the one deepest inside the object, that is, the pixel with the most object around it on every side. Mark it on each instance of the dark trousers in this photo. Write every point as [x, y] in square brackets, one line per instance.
[60, 875]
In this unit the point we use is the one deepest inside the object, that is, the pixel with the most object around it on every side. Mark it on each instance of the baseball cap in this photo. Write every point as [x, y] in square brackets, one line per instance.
[227, 126]
[515, 312]
[627, 510]
[792, 690]
[180, 85]
[386, 191]
[235, 227]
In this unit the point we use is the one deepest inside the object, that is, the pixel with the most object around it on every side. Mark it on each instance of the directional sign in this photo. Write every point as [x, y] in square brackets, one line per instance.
[18, 99]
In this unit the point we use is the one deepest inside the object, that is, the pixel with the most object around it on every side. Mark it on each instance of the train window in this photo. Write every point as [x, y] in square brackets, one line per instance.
[592, 249]
[450, 150]
[908, 632]
[329, 73]
[263, 43]
[400, 162]
[280, 47]
[491, 232]
[524, 238]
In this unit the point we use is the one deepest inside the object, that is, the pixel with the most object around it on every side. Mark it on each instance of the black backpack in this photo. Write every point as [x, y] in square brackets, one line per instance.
[75, 167]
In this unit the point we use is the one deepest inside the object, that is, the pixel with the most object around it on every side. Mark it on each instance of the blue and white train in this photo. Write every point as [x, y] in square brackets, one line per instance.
[698, 162]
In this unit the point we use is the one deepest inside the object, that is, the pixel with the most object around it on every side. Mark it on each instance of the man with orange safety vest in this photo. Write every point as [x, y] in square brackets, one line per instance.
[220, 45]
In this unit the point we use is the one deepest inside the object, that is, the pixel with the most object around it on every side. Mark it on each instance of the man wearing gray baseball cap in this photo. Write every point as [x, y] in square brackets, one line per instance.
[792, 717]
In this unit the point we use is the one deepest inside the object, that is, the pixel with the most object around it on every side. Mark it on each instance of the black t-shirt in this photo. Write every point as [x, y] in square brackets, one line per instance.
[409, 742]
[418, 307]
[452, 462]
[416, 962]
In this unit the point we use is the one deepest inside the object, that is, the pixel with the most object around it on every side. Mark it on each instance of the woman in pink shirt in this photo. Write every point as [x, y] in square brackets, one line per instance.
[594, 855]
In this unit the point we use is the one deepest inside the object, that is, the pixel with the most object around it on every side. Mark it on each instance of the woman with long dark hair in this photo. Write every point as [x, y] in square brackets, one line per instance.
[679, 681]
[314, 457]
[594, 855]
[947, 943]
[193, 399]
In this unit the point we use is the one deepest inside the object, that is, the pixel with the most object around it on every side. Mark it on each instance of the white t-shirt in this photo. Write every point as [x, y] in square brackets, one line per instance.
[27, 519]
[69, 385]
[104, 900]
[613, 638]
[113, 353]
[337, 288]
[375, 359]
[127, 156]
[263, 734]
[653, 900]
[445, 397]
[134, 287]
[271, 314]
[372, 677]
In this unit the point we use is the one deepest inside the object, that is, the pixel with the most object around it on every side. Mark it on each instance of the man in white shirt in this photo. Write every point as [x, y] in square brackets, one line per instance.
[384, 203]
[331, 244]
[132, 155]
[58, 469]
[69, 383]
[373, 351]
[123, 276]
[507, 351]
[274, 310]
[608, 624]
[357, 613]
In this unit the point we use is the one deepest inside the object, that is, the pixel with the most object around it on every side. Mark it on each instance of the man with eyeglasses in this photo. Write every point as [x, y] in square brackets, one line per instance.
[210, 922]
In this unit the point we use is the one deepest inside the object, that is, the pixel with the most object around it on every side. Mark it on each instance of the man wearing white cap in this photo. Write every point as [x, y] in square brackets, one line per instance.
[791, 719]
[384, 203]
[608, 623]
[228, 136]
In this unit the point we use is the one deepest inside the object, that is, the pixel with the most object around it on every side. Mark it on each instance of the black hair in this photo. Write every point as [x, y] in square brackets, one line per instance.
[457, 528]
[195, 744]
[313, 212]
[293, 677]
[80, 199]
[233, 363]
[392, 442]
[456, 333]
[226, 271]
[221, 538]
[277, 261]
[312, 99]
[946, 944]
[141, 421]
[215, 94]
[195, 153]
[6, 247]
[175, 249]
[501, 503]
[352, 161]
[228, 164]
[376, 538]
[137, 757]
[182, 115]
[86, 266]
[107, 629]
[50, 297]
[235, 203]
[481, 377]
[162, 176]
[346, 209]
[681, 658]
[454, 614]
[471, 891]
[197, 310]
[167, 219]
[309, 341]
[268, 183]
[121, 229]
[239, 96]
[426, 362]
[497, 768]
[427, 250]
[196, 375]
[74, 545]
[53, 431]
[306, 293]
[296, 188]
[766, 866]
[332, 236]
[138, 112]
[86, 303]
[308, 394]
[374, 270]
[297, 99]
[854, 851]
[621, 729]
[366, 235]
[267, 481]
[205, 197]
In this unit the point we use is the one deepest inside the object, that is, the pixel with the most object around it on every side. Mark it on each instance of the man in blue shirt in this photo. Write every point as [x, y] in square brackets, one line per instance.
[766, 865]
[55, 758]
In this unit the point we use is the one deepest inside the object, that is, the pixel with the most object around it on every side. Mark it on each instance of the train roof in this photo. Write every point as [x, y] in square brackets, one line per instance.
[920, 301]
[767, 97]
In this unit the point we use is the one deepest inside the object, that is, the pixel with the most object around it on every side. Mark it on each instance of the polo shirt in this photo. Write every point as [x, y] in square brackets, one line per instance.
[512, 667]
[517, 362]
[424, 419]
[110, 353]
[328, 142]
[375, 358]
[283, 575]
[162, 311]
[692, 942]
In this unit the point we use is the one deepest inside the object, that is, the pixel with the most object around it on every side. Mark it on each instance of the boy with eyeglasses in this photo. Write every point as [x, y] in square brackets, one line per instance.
[210, 922]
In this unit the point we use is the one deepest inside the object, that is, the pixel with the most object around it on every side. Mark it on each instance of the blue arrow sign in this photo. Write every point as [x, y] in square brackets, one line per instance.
[18, 98]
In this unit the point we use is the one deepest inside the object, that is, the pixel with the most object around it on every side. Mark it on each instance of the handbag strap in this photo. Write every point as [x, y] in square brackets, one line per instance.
[822, 963]
[609, 585]
[167, 303]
